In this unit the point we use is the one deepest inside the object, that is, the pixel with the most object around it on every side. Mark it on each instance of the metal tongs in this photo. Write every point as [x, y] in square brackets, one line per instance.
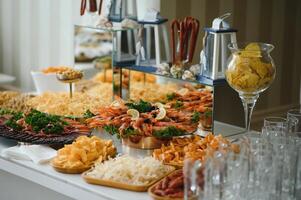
[187, 33]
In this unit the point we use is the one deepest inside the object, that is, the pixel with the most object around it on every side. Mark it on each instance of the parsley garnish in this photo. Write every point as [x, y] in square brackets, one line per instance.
[208, 113]
[111, 129]
[12, 122]
[178, 104]
[171, 96]
[141, 106]
[88, 114]
[50, 124]
[168, 132]
[195, 117]
[129, 132]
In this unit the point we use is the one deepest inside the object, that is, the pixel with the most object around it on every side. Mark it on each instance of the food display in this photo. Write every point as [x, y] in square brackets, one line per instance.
[82, 153]
[59, 103]
[40, 128]
[127, 172]
[147, 125]
[197, 102]
[15, 101]
[194, 148]
[136, 120]
[151, 92]
[55, 69]
[69, 75]
[7, 95]
[106, 76]
[158, 115]
[250, 71]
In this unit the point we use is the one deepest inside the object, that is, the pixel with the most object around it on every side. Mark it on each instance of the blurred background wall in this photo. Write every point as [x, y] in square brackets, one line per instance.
[39, 33]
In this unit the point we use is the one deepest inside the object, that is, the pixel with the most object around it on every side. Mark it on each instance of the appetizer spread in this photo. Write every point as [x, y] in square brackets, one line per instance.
[6, 96]
[135, 120]
[82, 153]
[194, 148]
[55, 69]
[106, 76]
[40, 128]
[59, 103]
[130, 170]
[199, 103]
[15, 101]
[152, 92]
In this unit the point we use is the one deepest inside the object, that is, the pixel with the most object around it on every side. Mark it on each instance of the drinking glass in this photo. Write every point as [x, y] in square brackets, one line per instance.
[294, 120]
[193, 178]
[286, 166]
[274, 126]
[275, 121]
[250, 71]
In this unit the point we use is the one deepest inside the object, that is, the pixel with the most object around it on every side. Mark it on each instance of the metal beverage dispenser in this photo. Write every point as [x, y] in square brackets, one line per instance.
[213, 58]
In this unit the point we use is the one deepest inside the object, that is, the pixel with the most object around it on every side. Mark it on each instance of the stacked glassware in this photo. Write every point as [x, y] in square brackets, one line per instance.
[268, 166]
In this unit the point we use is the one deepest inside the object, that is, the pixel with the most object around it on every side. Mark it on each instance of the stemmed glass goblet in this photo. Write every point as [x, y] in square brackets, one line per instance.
[250, 71]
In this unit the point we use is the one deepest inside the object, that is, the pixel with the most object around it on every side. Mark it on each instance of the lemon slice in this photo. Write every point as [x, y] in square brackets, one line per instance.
[162, 114]
[183, 91]
[159, 105]
[134, 113]
[115, 103]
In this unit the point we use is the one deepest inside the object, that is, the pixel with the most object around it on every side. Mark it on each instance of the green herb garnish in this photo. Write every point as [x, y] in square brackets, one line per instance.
[178, 104]
[53, 128]
[50, 124]
[72, 117]
[12, 122]
[88, 114]
[141, 106]
[168, 132]
[129, 132]
[111, 129]
[195, 117]
[15, 114]
[171, 96]
[208, 113]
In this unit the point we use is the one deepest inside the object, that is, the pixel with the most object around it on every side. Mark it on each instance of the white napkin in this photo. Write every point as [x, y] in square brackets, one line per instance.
[37, 153]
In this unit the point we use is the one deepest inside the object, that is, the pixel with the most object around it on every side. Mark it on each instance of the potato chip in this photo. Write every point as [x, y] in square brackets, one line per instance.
[84, 152]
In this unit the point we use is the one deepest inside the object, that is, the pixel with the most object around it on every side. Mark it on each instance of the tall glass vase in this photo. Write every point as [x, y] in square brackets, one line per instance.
[250, 71]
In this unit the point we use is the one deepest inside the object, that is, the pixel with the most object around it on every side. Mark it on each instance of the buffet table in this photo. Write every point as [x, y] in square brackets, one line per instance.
[31, 181]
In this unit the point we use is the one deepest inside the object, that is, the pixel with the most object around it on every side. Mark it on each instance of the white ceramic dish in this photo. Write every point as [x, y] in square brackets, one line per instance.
[48, 82]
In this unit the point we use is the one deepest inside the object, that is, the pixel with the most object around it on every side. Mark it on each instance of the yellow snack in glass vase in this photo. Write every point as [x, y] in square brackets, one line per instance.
[249, 70]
